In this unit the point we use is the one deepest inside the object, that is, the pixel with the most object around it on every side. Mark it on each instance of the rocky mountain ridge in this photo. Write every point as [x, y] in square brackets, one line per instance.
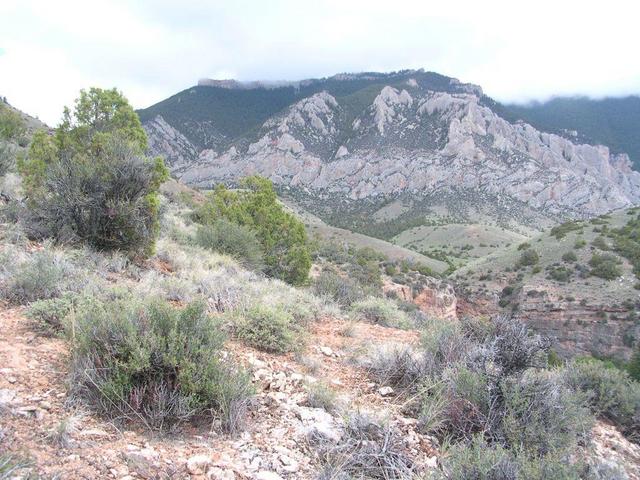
[409, 138]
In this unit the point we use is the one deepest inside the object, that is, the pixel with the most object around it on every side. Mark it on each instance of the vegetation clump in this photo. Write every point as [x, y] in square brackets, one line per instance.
[610, 391]
[282, 236]
[341, 289]
[91, 182]
[561, 231]
[605, 266]
[12, 131]
[528, 258]
[232, 239]
[271, 329]
[152, 362]
[380, 311]
[49, 314]
[40, 277]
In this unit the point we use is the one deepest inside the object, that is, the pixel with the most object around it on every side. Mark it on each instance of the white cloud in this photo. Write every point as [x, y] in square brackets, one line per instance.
[152, 49]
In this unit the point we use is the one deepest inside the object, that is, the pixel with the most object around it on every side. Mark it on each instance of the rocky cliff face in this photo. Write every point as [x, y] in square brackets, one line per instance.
[410, 140]
[433, 297]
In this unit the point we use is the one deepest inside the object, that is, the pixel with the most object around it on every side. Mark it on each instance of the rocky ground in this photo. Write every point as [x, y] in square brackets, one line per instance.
[65, 441]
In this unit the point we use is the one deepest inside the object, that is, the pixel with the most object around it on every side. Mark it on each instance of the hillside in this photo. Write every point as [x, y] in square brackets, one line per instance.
[557, 292]
[150, 330]
[614, 122]
[349, 146]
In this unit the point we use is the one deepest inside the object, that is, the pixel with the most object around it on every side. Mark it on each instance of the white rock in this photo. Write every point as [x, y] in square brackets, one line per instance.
[267, 475]
[326, 351]
[385, 391]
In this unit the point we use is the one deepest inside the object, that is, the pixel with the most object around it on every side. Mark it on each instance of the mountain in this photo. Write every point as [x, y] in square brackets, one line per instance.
[383, 153]
[614, 122]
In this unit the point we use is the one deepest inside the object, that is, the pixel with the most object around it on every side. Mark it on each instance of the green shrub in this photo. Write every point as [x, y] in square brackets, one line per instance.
[528, 257]
[560, 274]
[605, 266]
[12, 125]
[611, 393]
[569, 257]
[560, 231]
[232, 239]
[319, 395]
[342, 290]
[478, 460]
[379, 311]
[282, 235]
[600, 243]
[146, 360]
[39, 278]
[542, 415]
[391, 269]
[49, 314]
[91, 182]
[270, 329]
[580, 243]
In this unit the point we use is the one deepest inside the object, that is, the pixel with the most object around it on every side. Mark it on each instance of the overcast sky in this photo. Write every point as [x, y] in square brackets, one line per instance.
[150, 49]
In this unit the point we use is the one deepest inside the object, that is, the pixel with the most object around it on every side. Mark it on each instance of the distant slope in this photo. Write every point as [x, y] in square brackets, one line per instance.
[557, 295]
[210, 115]
[614, 122]
[410, 145]
[316, 227]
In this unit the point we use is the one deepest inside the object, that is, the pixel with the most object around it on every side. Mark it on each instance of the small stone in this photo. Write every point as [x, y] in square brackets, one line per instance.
[385, 391]
[12, 379]
[326, 351]
[267, 475]
[217, 473]
[93, 432]
[432, 462]
[197, 465]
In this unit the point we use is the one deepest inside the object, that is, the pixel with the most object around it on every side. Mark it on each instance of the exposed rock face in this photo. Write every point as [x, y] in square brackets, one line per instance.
[170, 143]
[575, 328]
[581, 329]
[412, 140]
[433, 297]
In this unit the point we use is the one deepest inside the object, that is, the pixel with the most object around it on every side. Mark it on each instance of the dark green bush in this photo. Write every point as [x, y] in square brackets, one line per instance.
[232, 239]
[270, 329]
[560, 231]
[569, 257]
[605, 266]
[281, 234]
[91, 181]
[149, 361]
[560, 274]
[528, 257]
